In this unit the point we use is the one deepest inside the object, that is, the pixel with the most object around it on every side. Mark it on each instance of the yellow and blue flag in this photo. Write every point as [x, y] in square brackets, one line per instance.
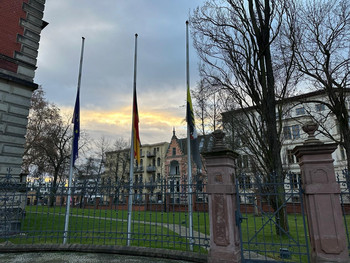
[76, 133]
[193, 132]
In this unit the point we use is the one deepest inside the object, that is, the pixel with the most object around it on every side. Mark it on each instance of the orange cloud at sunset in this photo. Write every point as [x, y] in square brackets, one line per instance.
[155, 126]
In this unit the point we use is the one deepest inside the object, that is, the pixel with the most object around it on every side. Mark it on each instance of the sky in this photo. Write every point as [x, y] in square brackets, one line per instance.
[109, 28]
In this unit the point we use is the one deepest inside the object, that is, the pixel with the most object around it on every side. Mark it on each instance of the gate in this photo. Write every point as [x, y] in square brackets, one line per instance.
[261, 207]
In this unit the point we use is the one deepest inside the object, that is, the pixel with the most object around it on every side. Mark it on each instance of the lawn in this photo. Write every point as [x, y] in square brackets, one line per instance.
[44, 224]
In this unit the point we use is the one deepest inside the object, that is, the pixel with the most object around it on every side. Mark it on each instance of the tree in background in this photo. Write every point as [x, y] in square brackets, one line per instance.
[207, 107]
[239, 43]
[320, 37]
[48, 142]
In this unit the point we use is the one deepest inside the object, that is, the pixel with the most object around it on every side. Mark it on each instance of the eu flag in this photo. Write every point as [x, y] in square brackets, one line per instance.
[76, 133]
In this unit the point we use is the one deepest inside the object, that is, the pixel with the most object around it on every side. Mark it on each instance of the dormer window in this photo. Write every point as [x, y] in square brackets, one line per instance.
[300, 111]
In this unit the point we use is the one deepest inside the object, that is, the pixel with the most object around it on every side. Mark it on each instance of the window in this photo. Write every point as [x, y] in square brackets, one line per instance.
[158, 161]
[140, 152]
[300, 111]
[177, 170]
[320, 107]
[287, 133]
[243, 161]
[296, 131]
[244, 182]
[291, 157]
[174, 151]
[291, 132]
[342, 153]
[294, 180]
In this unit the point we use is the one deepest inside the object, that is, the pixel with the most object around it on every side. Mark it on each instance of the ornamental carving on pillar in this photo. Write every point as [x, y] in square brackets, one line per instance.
[220, 221]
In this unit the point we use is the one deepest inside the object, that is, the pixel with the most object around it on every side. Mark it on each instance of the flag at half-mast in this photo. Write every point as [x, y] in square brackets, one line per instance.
[76, 133]
[135, 127]
[192, 131]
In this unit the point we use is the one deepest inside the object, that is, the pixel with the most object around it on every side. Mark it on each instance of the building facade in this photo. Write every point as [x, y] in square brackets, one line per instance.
[20, 28]
[176, 169]
[147, 174]
[162, 170]
[296, 112]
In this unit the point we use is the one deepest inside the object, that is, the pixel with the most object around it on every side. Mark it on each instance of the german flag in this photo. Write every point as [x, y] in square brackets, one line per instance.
[135, 131]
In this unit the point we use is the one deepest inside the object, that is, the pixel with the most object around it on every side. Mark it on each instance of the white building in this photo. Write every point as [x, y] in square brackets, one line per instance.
[296, 111]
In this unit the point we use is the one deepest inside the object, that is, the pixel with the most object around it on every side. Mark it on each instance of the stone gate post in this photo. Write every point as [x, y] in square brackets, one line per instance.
[224, 233]
[321, 197]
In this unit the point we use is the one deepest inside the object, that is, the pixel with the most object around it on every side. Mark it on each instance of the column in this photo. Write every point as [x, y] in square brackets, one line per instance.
[224, 233]
[321, 197]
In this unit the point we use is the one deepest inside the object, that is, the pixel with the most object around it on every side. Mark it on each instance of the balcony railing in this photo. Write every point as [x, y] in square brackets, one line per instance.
[150, 154]
[138, 169]
[151, 169]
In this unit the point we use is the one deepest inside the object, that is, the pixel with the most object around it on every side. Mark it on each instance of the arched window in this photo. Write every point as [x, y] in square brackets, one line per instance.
[174, 168]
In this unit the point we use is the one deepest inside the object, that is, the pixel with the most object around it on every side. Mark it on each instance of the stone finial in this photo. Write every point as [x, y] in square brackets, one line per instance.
[218, 140]
[310, 128]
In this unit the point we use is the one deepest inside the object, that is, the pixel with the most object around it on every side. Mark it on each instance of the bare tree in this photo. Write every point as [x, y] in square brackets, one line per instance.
[207, 106]
[320, 37]
[118, 160]
[238, 42]
[48, 141]
[103, 145]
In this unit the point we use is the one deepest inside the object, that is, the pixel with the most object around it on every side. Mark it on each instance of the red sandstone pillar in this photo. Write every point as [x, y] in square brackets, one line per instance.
[224, 233]
[321, 197]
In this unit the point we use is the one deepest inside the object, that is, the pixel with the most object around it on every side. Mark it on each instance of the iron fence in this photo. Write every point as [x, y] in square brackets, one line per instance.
[271, 219]
[343, 180]
[34, 213]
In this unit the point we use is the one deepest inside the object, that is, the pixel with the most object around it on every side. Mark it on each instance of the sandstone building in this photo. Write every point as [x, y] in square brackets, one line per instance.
[20, 27]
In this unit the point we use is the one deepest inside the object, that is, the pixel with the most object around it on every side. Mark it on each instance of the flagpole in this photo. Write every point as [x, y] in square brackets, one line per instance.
[132, 154]
[66, 223]
[189, 166]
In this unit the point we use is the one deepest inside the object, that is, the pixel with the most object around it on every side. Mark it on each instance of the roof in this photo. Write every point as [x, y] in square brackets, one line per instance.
[205, 143]
[296, 98]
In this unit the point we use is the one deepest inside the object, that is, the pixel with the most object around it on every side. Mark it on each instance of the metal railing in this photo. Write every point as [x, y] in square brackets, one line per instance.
[344, 182]
[35, 214]
[272, 225]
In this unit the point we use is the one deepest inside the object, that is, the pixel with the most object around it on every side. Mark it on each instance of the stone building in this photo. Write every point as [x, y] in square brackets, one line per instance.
[163, 167]
[296, 111]
[20, 27]
[146, 174]
[176, 169]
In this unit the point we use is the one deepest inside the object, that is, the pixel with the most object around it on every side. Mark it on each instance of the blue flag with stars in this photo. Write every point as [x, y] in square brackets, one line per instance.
[76, 133]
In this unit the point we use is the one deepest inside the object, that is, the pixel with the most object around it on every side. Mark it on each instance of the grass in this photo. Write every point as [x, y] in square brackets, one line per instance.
[44, 224]
[259, 235]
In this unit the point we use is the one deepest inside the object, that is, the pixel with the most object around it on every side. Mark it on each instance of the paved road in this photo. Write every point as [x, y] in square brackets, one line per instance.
[77, 257]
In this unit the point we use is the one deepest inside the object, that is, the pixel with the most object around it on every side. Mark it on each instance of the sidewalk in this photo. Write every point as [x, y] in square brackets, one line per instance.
[78, 257]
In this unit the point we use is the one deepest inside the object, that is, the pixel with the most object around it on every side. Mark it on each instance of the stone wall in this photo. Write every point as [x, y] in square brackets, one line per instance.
[20, 27]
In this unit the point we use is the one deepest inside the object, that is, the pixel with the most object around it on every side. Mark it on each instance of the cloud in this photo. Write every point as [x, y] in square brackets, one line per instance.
[107, 78]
